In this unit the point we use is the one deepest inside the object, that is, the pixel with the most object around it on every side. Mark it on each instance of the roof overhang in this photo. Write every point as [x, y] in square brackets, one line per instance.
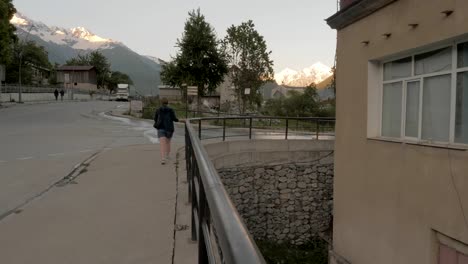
[356, 11]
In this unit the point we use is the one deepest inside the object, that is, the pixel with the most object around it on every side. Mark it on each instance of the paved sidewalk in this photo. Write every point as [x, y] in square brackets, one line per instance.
[120, 209]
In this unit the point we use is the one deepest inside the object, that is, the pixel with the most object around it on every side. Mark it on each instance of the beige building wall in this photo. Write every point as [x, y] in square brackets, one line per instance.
[391, 199]
[226, 91]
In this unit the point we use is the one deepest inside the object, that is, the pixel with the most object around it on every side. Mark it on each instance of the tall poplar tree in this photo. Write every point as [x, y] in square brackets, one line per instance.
[199, 60]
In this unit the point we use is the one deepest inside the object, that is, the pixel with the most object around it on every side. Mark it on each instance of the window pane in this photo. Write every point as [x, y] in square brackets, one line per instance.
[463, 55]
[391, 111]
[461, 117]
[434, 61]
[412, 109]
[436, 108]
[397, 69]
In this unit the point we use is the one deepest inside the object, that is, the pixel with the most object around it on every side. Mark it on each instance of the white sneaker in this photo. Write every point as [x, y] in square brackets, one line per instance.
[163, 161]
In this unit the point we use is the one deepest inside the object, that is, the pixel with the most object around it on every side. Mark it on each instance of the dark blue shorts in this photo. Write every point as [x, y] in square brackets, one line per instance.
[164, 133]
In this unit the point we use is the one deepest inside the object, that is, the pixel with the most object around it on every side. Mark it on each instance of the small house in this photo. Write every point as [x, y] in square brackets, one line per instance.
[79, 77]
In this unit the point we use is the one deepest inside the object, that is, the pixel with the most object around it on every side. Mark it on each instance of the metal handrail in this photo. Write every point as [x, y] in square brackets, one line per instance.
[213, 213]
[217, 225]
[317, 121]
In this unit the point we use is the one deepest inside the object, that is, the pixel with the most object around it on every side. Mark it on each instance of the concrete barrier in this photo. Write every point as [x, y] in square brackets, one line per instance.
[34, 97]
[254, 152]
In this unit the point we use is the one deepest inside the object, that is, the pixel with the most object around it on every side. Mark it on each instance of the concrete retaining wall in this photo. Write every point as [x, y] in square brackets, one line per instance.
[280, 198]
[251, 152]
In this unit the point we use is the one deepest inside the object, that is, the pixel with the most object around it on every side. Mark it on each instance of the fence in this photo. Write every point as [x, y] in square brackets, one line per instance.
[216, 224]
[44, 89]
[265, 127]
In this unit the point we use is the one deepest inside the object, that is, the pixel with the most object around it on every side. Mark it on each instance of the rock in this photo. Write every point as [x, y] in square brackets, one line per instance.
[283, 179]
[259, 171]
[282, 186]
[292, 185]
[243, 189]
[277, 168]
[282, 173]
[302, 185]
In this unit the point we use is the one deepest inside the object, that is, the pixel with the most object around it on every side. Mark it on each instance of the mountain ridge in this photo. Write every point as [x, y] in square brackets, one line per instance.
[316, 73]
[63, 44]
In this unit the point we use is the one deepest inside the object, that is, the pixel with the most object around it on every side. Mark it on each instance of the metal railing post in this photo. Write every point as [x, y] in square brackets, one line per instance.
[317, 128]
[195, 203]
[250, 128]
[202, 250]
[224, 129]
[287, 128]
[199, 129]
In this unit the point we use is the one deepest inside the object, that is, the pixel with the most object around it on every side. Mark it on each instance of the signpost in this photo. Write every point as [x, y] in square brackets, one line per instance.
[2, 79]
[136, 106]
[192, 90]
[2, 73]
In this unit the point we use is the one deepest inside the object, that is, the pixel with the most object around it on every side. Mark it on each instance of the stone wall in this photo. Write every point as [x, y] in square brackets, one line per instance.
[283, 202]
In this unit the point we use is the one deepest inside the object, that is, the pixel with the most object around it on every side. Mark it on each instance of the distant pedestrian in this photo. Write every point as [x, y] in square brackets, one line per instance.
[56, 93]
[164, 119]
[62, 92]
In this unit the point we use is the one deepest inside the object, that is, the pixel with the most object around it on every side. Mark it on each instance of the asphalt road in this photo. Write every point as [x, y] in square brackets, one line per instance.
[41, 144]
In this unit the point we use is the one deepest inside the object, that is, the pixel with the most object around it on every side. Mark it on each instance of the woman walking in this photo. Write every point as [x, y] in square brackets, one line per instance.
[164, 119]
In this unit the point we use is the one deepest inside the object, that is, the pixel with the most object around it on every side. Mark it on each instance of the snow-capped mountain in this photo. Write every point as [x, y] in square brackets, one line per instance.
[63, 44]
[313, 74]
[156, 59]
[76, 38]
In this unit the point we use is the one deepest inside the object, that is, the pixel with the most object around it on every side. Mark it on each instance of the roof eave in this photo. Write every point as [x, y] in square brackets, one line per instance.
[356, 11]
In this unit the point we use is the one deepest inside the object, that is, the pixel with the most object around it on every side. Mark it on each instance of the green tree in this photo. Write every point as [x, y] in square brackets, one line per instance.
[296, 104]
[199, 60]
[172, 75]
[250, 63]
[7, 31]
[32, 56]
[99, 62]
[115, 78]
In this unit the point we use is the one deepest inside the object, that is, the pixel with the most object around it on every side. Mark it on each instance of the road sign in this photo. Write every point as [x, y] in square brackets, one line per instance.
[192, 90]
[136, 105]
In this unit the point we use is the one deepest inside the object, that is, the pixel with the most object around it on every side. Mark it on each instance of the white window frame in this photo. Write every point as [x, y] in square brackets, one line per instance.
[412, 78]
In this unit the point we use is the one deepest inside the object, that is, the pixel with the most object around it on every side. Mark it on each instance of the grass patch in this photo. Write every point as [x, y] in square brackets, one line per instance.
[314, 252]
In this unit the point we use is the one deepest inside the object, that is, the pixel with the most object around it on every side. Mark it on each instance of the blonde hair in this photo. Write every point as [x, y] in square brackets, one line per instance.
[164, 101]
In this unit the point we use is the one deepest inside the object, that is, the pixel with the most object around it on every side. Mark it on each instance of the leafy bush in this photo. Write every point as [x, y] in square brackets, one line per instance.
[298, 104]
[313, 252]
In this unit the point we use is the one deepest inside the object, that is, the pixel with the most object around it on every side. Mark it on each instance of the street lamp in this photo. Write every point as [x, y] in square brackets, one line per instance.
[20, 64]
